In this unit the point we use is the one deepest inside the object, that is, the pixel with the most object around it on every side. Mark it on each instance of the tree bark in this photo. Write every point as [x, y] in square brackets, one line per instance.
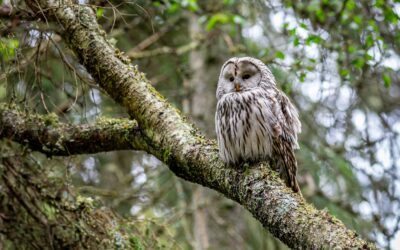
[190, 156]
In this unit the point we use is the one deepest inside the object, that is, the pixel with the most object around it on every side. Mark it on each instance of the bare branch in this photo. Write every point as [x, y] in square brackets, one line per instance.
[165, 50]
[153, 38]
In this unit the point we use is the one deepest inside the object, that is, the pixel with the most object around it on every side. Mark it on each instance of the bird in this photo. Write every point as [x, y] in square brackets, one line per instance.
[254, 120]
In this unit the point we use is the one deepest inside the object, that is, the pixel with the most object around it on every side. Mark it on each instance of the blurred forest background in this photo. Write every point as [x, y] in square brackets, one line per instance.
[337, 60]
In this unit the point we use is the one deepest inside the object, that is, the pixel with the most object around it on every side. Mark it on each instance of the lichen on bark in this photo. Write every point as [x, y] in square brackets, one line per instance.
[38, 210]
[46, 134]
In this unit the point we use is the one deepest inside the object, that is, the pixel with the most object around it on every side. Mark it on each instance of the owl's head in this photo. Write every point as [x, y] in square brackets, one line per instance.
[243, 74]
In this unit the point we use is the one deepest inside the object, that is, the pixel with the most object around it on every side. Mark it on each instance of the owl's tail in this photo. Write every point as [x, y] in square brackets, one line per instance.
[286, 163]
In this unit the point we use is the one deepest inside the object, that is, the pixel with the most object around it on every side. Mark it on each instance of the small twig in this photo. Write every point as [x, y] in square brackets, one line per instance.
[165, 50]
[153, 38]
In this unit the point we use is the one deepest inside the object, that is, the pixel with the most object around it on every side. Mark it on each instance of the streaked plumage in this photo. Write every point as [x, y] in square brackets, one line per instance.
[254, 120]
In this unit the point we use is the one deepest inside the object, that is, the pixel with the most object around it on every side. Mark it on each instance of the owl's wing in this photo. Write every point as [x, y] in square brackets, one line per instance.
[285, 143]
[291, 125]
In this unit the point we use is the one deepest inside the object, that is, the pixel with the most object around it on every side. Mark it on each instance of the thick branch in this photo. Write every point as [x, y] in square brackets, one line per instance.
[189, 155]
[47, 135]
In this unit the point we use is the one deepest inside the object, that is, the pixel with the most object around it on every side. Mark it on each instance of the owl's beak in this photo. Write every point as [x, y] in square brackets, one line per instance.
[237, 87]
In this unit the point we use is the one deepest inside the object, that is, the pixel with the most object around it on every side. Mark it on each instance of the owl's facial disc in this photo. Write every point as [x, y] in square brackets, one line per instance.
[240, 77]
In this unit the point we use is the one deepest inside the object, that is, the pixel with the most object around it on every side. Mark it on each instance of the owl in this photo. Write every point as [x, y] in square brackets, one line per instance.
[256, 121]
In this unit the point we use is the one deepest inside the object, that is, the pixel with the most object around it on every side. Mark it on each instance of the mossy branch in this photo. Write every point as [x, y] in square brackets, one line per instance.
[285, 214]
[44, 133]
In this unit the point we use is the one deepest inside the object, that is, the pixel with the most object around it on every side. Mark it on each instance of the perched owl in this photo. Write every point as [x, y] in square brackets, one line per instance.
[255, 120]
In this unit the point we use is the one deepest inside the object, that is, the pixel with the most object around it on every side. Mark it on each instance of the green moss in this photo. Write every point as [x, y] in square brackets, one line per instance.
[104, 121]
[166, 155]
[246, 167]
[136, 244]
[154, 92]
[84, 201]
[120, 55]
[49, 211]
[50, 119]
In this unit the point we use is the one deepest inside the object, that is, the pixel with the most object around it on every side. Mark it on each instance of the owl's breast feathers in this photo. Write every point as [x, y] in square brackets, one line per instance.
[246, 125]
[259, 125]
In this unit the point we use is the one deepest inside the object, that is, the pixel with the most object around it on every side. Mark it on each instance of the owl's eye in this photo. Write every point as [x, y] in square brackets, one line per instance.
[247, 76]
[231, 79]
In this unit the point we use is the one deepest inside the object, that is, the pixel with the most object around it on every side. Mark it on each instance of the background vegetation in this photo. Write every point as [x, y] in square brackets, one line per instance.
[337, 60]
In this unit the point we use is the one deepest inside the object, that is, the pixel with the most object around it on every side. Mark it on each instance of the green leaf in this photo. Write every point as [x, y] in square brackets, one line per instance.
[313, 39]
[379, 3]
[303, 25]
[13, 43]
[312, 60]
[285, 25]
[292, 32]
[358, 62]
[368, 57]
[217, 18]
[344, 72]
[391, 16]
[369, 41]
[373, 25]
[228, 2]
[280, 55]
[320, 15]
[350, 5]
[351, 49]
[173, 8]
[192, 5]
[357, 19]
[99, 12]
[302, 76]
[296, 41]
[8, 47]
[387, 80]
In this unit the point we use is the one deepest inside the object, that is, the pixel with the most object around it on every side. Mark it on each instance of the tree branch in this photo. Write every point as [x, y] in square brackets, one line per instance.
[44, 133]
[286, 215]
[165, 50]
[154, 37]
